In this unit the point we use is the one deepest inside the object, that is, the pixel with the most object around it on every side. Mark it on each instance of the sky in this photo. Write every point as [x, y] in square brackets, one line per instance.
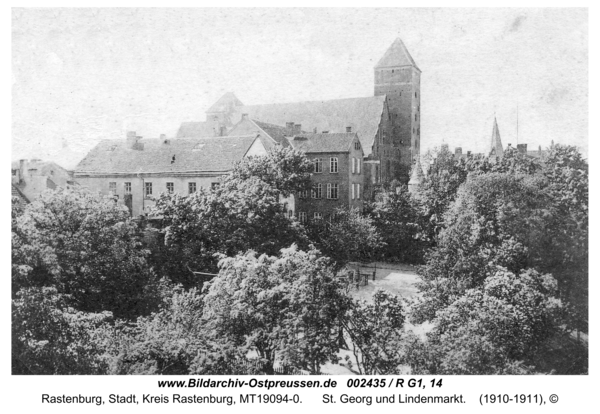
[83, 75]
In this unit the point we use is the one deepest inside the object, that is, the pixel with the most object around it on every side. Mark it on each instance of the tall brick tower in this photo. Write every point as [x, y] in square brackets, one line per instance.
[399, 79]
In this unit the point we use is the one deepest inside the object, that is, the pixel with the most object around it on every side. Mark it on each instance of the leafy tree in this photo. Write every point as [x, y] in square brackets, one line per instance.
[349, 236]
[376, 332]
[284, 169]
[164, 343]
[49, 337]
[85, 246]
[498, 327]
[398, 222]
[225, 220]
[284, 308]
[497, 219]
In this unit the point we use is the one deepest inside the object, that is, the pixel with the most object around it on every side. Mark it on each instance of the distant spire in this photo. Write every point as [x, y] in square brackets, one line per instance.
[496, 143]
[416, 177]
[397, 55]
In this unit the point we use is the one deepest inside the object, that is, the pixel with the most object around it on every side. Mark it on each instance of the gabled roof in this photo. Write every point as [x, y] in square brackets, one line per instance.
[179, 155]
[318, 143]
[496, 142]
[397, 55]
[225, 103]
[362, 114]
[265, 132]
[198, 129]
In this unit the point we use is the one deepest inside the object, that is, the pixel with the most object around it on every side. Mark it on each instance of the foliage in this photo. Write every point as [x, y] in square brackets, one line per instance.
[49, 337]
[497, 219]
[397, 220]
[376, 334]
[285, 307]
[226, 220]
[284, 169]
[86, 246]
[495, 328]
[349, 236]
[165, 343]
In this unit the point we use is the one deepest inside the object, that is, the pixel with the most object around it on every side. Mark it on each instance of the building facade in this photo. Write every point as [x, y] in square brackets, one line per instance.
[388, 123]
[137, 170]
[337, 176]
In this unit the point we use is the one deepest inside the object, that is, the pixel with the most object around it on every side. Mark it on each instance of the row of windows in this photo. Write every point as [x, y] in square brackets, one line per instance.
[192, 187]
[333, 165]
[303, 217]
[317, 191]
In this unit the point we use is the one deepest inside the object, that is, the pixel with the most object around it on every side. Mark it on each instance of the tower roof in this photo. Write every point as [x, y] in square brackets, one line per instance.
[496, 143]
[416, 177]
[397, 55]
[224, 103]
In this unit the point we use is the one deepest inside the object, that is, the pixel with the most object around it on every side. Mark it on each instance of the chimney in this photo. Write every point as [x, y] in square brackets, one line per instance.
[222, 130]
[315, 130]
[297, 129]
[244, 116]
[468, 153]
[458, 151]
[289, 126]
[522, 148]
[132, 139]
[325, 132]
[348, 129]
[164, 139]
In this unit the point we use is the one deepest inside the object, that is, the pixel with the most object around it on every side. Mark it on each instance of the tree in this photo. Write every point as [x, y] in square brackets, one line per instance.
[284, 169]
[51, 338]
[85, 246]
[226, 220]
[163, 343]
[499, 327]
[349, 236]
[497, 219]
[284, 308]
[376, 332]
[397, 220]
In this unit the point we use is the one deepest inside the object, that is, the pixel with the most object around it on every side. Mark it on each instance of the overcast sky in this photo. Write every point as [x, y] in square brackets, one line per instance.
[82, 75]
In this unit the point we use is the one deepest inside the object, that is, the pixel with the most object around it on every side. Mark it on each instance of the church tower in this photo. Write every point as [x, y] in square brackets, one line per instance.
[399, 79]
[496, 143]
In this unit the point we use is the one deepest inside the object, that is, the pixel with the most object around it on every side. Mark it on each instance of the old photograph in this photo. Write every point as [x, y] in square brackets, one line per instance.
[299, 191]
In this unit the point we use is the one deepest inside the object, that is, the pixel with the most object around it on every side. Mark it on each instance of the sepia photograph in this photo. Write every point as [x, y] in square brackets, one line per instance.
[299, 191]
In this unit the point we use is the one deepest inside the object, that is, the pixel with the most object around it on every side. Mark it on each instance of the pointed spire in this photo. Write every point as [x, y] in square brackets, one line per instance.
[397, 55]
[416, 177]
[496, 143]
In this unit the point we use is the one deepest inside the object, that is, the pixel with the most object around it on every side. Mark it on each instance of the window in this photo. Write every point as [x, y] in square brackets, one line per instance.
[302, 217]
[148, 189]
[353, 165]
[192, 187]
[358, 191]
[112, 187]
[214, 186]
[415, 94]
[290, 213]
[353, 185]
[170, 188]
[415, 117]
[418, 131]
[318, 165]
[318, 216]
[127, 188]
[358, 166]
[303, 194]
[332, 191]
[333, 165]
[357, 145]
[317, 191]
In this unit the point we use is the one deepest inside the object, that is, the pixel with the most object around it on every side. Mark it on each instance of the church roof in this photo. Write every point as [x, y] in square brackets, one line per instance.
[397, 55]
[496, 142]
[179, 155]
[224, 103]
[318, 143]
[198, 129]
[363, 115]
